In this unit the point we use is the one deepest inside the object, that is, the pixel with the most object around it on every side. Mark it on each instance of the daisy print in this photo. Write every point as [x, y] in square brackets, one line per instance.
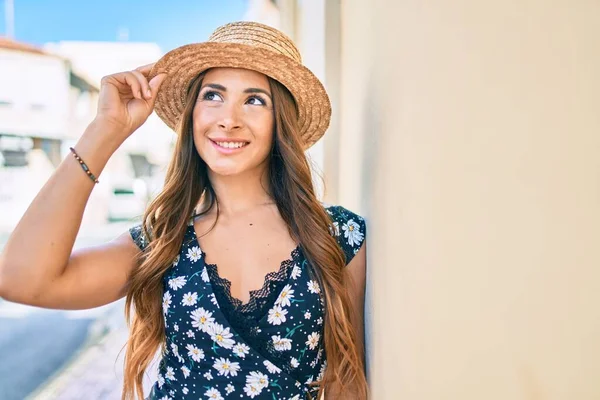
[195, 353]
[281, 344]
[229, 388]
[186, 371]
[194, 254]
[226, 367]
[271, 367]
[287, 293]
[257, 379]
[296, 272]
[313, 340]
[294, 362]
[313, 286]
[190, 299]
[213, 394]
[221, 335]
[204, 275]
[352, 232]
[208, 376]
[241, 349]
[202, 319]
[276, 315]
[177, 283]
[170, 374]
[176, 261]
[252, 390]
[166, 302]
[175, 350]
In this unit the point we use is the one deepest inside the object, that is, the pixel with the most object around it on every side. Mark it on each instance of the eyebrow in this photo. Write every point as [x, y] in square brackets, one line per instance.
[248, 90]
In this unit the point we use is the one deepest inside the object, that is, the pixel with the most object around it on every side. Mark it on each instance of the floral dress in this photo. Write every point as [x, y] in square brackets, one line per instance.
[217, 347]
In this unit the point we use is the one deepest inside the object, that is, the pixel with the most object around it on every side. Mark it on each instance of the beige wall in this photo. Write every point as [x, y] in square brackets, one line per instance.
[476, 126]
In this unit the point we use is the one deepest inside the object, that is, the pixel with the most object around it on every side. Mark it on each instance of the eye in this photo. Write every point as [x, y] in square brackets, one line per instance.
[257, 101]
[211, 96]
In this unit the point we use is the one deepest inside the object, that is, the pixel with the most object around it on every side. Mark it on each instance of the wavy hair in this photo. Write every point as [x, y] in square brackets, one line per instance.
[291, 187]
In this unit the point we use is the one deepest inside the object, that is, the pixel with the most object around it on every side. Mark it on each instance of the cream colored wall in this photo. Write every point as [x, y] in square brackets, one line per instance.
[474, 131]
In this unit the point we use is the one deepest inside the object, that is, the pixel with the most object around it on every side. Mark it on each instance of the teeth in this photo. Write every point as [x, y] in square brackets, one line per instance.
[231, 145]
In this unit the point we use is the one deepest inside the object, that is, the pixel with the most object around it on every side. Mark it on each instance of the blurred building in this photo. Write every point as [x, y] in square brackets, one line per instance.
[44, 105]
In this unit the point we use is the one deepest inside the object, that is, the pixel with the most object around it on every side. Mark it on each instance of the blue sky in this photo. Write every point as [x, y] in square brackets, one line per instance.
[170, 23]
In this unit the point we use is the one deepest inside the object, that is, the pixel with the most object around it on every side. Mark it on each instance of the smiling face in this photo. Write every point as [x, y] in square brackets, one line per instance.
[233, 121]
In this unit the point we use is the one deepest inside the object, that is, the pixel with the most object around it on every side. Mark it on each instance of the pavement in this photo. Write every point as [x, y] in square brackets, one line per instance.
[96, 371]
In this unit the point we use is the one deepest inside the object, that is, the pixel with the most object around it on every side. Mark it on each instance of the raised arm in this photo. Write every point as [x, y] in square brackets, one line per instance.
[38, 265]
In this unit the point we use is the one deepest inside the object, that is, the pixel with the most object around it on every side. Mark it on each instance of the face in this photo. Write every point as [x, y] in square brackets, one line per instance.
[233, 121]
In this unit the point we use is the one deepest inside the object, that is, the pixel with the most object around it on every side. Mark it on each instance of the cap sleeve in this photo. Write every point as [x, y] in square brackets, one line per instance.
[138, 236]
[349, 229]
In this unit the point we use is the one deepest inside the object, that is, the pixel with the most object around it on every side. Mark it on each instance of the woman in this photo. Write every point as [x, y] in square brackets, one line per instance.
[245, 281]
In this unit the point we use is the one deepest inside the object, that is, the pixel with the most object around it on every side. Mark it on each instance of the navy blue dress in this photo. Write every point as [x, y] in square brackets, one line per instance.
[269, 348]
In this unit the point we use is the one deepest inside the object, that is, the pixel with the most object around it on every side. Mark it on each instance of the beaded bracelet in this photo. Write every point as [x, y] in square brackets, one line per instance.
[84, 166]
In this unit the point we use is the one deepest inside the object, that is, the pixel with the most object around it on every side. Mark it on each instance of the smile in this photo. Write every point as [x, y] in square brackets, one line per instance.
[228, 146]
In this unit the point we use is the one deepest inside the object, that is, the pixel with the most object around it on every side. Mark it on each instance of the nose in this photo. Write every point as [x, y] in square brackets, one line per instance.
[230, 119]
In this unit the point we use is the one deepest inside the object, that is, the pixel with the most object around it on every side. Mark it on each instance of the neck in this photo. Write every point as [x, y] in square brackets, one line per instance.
[241, 192]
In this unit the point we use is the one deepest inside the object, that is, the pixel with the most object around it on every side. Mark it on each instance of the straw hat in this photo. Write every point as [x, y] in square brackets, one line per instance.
[248, 45]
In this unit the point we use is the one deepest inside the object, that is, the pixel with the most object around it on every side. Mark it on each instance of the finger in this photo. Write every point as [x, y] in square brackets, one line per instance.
[144, 84]
[131, 80]
[145, 69]
[155, 84]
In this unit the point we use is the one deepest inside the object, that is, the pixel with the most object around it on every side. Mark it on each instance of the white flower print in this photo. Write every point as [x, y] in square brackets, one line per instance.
[166, 302]
[221, 335]
[175, 350]
[208, 376]
[213, 299]
[352, 232]
[202, 319]
[226, 367]
[313, 340]
[213, 393]
[313, 286]
[307, 315]
[177, 283]
[176, 328]
[190, 333]
[322, 371]
[281, 344]
[194, 352]
[229, 388]
[185, 390]
[194, 254]
[186, 371]
[287, 293]
[160, 380]
[296, 397]
[241, 349]
[296, 272]
[170, 374]
[190, 299]
[294, 362]
[176, 261]
[258, 379]
[252, 390]
[204, 275]
[276, 315]
[271, 367]
[165, 398]
[309, 380]
[320, 321]
[336, 228]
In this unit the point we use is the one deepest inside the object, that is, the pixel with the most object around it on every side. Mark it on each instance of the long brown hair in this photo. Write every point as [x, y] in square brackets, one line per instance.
[165, 221]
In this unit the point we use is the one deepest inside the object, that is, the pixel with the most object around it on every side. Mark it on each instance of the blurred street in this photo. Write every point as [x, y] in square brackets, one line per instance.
[41, 347]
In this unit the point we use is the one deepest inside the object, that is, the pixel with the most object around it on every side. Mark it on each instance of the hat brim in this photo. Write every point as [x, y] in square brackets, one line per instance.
[186, 62]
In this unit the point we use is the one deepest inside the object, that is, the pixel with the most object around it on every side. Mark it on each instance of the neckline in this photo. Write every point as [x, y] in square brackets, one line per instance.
[237, 302]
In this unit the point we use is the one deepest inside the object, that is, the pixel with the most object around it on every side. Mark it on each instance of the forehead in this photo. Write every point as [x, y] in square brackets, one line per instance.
[236, 77]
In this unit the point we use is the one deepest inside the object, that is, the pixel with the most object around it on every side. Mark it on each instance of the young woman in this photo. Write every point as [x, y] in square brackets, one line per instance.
[249, 286]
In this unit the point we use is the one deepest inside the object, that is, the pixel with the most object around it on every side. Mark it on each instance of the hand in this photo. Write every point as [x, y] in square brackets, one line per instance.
[127, 98]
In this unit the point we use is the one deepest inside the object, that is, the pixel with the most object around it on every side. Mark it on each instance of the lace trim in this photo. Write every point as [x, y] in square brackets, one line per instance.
[259, 298]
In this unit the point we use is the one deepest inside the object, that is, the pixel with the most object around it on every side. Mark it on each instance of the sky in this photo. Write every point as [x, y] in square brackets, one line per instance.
[169, 23]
